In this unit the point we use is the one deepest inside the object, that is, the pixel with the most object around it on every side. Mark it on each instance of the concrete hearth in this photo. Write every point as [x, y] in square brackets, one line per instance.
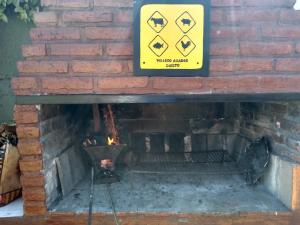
[198, 190]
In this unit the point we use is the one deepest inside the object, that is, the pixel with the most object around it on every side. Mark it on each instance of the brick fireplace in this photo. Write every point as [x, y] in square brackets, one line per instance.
[81, 54]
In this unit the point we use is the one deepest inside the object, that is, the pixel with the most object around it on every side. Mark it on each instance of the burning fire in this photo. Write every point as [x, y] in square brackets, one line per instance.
[106, 163]
[110, 141]
[113, 138]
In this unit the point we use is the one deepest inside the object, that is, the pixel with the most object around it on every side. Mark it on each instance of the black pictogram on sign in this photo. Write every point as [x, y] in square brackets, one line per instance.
[185, 46]
[185, 22]
[158, 46]
[157, 22]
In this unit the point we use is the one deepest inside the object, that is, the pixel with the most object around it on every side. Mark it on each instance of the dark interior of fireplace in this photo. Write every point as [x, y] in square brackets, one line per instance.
[178, 157]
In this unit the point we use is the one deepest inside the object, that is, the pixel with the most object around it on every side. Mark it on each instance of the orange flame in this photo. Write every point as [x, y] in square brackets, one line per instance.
[110, 141]
[111, 126]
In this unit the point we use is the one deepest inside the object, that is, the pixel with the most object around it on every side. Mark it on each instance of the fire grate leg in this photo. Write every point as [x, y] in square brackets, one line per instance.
[91, 197]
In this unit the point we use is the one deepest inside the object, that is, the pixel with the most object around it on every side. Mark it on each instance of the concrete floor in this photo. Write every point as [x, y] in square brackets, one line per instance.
[174, 190]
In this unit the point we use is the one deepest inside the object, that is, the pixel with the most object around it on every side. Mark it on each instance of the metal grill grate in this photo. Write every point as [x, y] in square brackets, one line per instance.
[205, 162]
[186, 168]
[216, 156]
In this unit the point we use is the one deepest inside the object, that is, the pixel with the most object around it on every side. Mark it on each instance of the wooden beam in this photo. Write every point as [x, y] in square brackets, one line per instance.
[296, 189]
[68, 218]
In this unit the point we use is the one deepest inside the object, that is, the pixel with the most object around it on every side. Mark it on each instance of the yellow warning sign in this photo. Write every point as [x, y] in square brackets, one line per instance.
[157, 22]
[158, 46]
[185, 22]
[185, 46]
[171, 36]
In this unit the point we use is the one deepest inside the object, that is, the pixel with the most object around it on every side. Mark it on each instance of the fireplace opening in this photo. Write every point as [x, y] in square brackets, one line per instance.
[173, 157]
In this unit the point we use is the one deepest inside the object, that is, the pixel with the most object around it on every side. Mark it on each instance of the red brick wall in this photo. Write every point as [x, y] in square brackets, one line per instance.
[31, 164]
[85, 46]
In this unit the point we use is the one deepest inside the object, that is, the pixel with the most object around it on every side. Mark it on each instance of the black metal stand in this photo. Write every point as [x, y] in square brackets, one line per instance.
[91, 197]
[106, 176]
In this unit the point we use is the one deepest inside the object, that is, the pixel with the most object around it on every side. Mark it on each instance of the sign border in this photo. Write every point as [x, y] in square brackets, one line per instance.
[203, 72]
